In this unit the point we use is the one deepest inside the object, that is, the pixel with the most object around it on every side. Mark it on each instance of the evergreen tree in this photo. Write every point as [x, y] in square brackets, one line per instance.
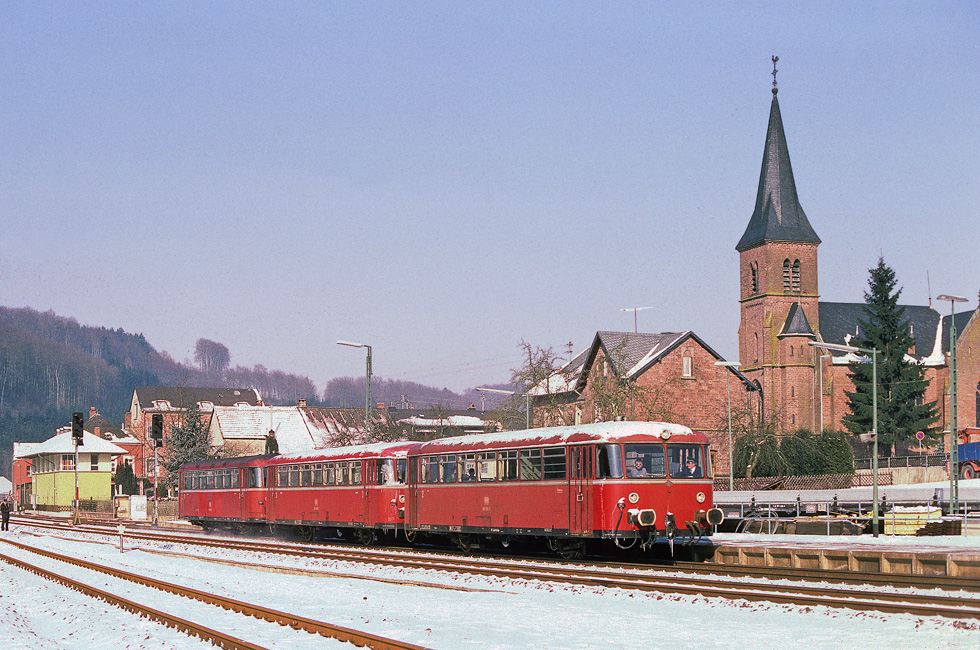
[185, 442]
[125, 480]
[902, 409]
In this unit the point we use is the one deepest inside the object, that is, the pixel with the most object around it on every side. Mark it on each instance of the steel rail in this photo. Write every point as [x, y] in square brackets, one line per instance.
[190, 628]
[612, 576]
[356, 637]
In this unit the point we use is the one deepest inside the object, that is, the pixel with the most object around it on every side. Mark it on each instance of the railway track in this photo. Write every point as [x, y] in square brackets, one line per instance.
[217, 637]
[754, 585]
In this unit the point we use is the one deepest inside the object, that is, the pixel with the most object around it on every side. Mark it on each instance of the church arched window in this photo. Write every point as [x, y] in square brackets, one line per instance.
[787, 282]
[757, 348]
[796, 276]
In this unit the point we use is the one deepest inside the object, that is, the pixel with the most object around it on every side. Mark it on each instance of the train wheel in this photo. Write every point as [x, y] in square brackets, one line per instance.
[365, 536]
[307, 532]
[465, 542]
[571, 549]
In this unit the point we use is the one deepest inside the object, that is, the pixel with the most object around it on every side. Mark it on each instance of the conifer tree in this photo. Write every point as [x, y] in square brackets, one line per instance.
[902, 409]
[185, 442]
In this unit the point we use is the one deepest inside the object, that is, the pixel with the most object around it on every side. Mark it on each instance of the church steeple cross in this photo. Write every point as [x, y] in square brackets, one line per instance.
[774, 71]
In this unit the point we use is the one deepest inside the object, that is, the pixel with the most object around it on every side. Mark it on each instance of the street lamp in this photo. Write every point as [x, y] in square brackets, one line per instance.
[527, 403]
[874, 420]
[954, 450]
[367, 395]
[728, 384]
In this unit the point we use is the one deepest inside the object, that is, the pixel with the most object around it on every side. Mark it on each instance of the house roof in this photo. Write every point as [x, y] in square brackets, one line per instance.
[630, 354]
[298, 428]
[778, 215]
[327, 424]
[63, 444]
[182, 396]
[24, 449]
[108, 430]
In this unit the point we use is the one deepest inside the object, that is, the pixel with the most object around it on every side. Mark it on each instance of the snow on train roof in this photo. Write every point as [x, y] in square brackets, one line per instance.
[601, 432]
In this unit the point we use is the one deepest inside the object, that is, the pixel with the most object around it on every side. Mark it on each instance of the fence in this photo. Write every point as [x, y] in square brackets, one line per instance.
[808, 482]
[931, 460]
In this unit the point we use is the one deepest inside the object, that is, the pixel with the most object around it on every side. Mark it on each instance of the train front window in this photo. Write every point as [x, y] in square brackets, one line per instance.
[609, 462]
[253, 477]
[386, 471]
[645, 461]
[401, 469]
[686, 461]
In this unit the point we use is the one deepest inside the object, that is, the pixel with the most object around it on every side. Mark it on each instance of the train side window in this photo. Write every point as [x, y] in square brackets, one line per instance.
[234, 479]
[530, 464]
[448, 463]
[209, 480]
[609, 462]
[253, 477]
[225, 479]
[343, 474]
[507, 465]
[467, 467]
[294, 476]
[328, 470]
[430, 469]
[401, 469]
[305, 476]
[487, 466]
[355, 473]
[554, 463]
[318, 474]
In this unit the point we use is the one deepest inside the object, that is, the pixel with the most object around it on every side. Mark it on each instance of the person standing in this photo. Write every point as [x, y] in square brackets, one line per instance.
[5, 513]
[271, 445]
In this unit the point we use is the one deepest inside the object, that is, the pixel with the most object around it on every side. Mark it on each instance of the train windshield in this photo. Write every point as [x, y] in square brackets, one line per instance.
[391, 471]
[645, 461]
[609, 462]
[686, 461]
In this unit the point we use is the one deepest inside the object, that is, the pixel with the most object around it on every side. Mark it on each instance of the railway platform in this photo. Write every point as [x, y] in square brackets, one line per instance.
[957, 556]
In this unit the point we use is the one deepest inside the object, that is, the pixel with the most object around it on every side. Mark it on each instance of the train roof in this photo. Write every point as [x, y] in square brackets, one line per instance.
[331, 453]
[603, 432]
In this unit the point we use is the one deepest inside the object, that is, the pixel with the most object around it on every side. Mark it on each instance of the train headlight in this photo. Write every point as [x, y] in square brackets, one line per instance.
[634, 497]
[401, 498]
[644, 517]
[700, 497]
[715, 516]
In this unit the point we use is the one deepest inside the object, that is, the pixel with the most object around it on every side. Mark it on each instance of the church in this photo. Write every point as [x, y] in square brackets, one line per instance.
[781, 313]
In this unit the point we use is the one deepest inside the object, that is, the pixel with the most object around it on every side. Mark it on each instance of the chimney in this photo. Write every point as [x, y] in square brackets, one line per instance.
[302, 403]
[92, 411]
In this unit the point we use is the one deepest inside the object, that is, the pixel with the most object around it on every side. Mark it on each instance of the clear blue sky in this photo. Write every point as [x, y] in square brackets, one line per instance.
[443, 180]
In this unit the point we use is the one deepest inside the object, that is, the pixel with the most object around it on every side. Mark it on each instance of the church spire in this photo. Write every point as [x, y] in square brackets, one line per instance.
[778, 215]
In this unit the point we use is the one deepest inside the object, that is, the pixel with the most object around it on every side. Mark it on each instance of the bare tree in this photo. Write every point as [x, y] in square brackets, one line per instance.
[212, 357]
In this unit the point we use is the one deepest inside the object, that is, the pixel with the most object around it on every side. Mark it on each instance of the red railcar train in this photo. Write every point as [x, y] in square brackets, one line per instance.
[630, 482]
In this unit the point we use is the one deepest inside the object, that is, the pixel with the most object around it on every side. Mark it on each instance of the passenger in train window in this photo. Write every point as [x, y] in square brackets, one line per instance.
[470, 475]
[638, 470]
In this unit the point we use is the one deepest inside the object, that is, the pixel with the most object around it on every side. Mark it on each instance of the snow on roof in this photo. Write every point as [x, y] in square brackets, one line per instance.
[448, 421]
[63, 444]
[24, 449]
[254, 422]
[601, 432]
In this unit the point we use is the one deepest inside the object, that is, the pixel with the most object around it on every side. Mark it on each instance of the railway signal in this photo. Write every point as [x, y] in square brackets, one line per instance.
[156, 429]
[77, 428]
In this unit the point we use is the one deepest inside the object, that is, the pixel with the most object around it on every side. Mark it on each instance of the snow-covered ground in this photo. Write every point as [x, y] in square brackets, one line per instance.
[431, 609]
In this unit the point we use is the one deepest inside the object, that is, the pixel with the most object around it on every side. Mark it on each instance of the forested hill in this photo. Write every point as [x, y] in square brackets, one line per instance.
[51, 365]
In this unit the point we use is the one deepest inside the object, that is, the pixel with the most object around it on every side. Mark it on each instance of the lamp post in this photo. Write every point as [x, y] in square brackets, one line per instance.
[527, 401]
[728, 385]
[874, 420]
[954, 452]
[368, 437]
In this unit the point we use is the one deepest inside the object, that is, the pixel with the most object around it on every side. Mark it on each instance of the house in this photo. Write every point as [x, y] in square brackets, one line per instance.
[172, 403]
[21, 471]
[668, 376]
[53, 470]
[427, 424]
[240, 430]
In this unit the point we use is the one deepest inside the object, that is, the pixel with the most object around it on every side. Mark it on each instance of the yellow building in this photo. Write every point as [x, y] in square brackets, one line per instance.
[53, 471]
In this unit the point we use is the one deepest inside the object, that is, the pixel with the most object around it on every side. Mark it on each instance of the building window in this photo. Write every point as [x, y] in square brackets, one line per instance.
[754, 281]
[687, 369]
[67, 462]
[792, 391]
[757, 348]
[796, 276]
[578, 415]
[787, 282]
[95, 462]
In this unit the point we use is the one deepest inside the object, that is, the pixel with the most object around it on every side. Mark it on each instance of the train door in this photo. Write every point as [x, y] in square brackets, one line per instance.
[580, 473]
[255, 494]
[372, 491]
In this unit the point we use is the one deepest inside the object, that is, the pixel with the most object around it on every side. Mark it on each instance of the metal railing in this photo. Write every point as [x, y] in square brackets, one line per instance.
[931, 460]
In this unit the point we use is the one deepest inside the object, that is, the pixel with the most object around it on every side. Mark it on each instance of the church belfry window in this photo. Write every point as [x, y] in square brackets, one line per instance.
[754, 280]
[787, 283]
[796, 276]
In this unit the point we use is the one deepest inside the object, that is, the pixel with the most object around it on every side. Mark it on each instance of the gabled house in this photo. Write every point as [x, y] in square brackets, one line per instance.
[431, 423]
[669, 376]
[172, 402]
[53, 470]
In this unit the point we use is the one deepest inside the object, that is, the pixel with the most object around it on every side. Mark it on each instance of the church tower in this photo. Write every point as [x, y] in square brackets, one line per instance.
[778, 296]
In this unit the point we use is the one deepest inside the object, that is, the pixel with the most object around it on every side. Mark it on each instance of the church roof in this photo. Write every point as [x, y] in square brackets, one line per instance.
[796, 323]
[778, 215]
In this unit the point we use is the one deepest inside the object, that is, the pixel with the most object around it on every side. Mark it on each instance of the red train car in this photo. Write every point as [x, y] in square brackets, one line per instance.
[631, 482]
[359, 491]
